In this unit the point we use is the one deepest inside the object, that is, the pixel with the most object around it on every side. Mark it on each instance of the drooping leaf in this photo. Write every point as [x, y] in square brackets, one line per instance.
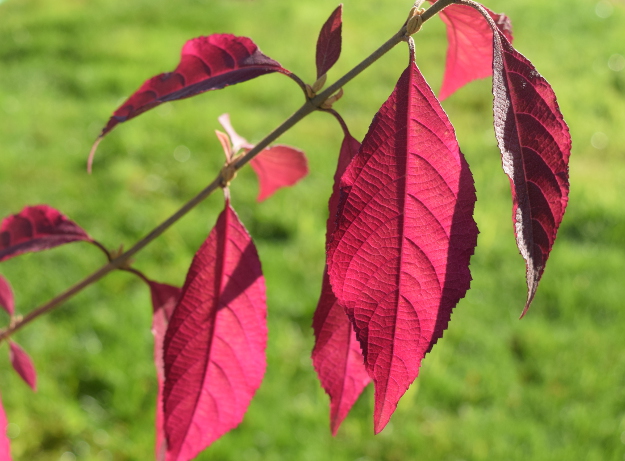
[5, 444]
[37, 228]
[470, 50]
[535, 146]
[215, 342]
[7, 301]
[206, 63]
[23, 365]
[278, 166]
[337, 356]
[164, 300]
[399, 258]
[329, 42]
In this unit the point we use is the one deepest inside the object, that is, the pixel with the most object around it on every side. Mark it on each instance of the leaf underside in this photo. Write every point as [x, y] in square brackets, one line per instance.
[215, 343]
[399, 258]
[535, 146]
[337, 356]
[37, 228]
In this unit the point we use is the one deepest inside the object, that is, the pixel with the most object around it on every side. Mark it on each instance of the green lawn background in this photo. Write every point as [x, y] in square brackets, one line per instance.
[549, 387]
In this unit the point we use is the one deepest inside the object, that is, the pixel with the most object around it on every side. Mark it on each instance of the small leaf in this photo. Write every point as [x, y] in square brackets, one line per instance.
[23, 365]
[6, 296]
[278, 166]
[535, 147]
[470, 50]
[37, 228]
[215, 342]
[337, 356]
[238, 142]
[5, 444]
[206, 63]
[329, 42]
[399, 258]
[164, 300]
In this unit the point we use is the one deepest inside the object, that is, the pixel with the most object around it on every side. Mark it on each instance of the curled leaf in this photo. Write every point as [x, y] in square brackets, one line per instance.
[23, 365]
[399, 258]
[215, 341]
[329, 42]
[470, 50]
[206, 63]
[37, 228]
[535, 146]
[7, 301]
[337, 356]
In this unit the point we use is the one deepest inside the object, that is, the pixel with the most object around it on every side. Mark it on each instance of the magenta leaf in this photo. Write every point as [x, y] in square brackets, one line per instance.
[399, 258]
[206, 63]
[37, 228]
[535, 147]
[5, 444]
[337, 356]
[23, 365]
[215, 342]
[7, 301]
[164, 300]
[470, 50]
[329, 42]
[278, 166]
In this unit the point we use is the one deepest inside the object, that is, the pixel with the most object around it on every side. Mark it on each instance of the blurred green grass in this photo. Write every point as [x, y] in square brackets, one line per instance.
[549, 387]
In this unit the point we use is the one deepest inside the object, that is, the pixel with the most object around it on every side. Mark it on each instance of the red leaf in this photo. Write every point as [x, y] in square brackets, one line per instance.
[329, 42]
[206, 63]
[215, 342]
[6, 296]
[278, 166]
[399, 259]
[37, 228]
[5, 444]
[337, 356]
[164, 299]
[535, 147]
[23, 365]
[470, 50]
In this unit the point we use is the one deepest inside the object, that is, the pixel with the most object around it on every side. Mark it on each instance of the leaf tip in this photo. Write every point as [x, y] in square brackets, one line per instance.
[92, 154]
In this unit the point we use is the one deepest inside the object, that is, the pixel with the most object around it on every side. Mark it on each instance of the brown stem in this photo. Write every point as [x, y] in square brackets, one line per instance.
[309, 106]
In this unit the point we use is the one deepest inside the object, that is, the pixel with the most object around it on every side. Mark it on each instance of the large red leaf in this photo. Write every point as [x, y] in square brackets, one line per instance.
[164, 300]
[535, 147]
[399, 259]
[37, 228]
[7, 301]
[215, 342]
[337, 356]
[23, 365]
[278, 166]
[5, 444]
[470, 50]
[329, 42]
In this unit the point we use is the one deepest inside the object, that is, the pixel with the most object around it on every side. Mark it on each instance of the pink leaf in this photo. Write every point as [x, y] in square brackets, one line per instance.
[206, 63]
[278, 166]
[5, 444]
[329, 42]
[399, 258]
[535, 147]
[337, 356]
[23, 365]
[470, 51]
[6, 296]
[37, 228]
[238, 142]
[164, 299]
[215, 342]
